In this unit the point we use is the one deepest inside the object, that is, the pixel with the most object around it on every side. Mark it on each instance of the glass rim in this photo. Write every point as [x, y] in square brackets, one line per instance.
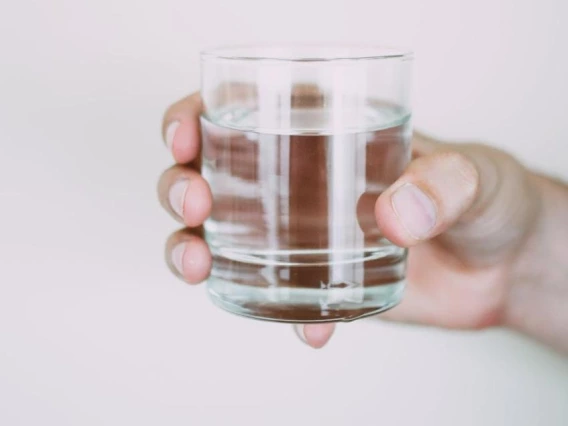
[284, 52]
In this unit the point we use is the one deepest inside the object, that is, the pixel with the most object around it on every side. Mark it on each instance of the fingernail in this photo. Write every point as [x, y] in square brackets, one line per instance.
[415, 210]
[177, 257]
[299, 330]
[170, 133]
[177, 196]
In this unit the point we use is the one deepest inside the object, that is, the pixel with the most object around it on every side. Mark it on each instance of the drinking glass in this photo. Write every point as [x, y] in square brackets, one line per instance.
[298, 142]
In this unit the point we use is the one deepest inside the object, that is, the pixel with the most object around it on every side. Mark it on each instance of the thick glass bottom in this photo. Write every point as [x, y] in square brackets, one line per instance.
[305, 305]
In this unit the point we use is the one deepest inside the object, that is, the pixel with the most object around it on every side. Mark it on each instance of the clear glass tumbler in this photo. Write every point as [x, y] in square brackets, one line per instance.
[298, 143]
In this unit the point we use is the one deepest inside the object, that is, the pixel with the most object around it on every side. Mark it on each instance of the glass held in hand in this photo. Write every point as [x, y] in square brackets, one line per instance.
[298, 143]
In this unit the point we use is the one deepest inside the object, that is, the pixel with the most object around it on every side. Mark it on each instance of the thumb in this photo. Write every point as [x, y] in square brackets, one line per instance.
[476, 198]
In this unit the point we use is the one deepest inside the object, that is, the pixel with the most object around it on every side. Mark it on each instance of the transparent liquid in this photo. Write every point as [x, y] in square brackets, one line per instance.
[293, 232]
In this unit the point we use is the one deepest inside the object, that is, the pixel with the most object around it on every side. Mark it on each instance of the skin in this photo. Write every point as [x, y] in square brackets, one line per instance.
[487, 236]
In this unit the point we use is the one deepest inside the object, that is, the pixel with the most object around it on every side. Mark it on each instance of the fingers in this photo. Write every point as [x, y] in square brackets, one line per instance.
[181, 129]
[185, 195]
[431, 195]
[314, 335]
[188, 256]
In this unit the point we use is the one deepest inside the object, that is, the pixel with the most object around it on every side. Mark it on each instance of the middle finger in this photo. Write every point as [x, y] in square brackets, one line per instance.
[185, 194]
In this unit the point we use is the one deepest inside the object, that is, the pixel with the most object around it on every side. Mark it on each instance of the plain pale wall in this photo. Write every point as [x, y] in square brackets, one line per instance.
[95, 331]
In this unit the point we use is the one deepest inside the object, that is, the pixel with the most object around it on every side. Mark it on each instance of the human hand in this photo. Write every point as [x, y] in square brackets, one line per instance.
[465, 210]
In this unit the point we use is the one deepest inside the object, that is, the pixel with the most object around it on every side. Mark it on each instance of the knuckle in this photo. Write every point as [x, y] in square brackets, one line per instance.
[465, 171]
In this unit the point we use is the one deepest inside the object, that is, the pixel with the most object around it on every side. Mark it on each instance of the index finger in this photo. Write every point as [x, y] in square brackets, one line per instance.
[181, 129]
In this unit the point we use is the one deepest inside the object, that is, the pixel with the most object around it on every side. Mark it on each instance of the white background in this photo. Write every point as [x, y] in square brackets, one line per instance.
[95, 331]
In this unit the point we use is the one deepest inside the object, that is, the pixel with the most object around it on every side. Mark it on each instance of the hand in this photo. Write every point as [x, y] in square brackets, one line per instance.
[466, 211]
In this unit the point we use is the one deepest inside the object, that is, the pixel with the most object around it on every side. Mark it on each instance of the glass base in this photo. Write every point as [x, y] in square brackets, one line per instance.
[301, 305]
